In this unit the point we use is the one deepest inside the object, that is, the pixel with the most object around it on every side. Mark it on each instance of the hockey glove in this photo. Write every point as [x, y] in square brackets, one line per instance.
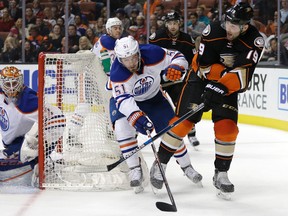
[173, 72]
[213, 95]
[140, 122]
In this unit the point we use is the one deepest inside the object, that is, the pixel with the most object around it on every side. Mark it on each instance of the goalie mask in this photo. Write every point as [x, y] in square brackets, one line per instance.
[127, 49]
[11, 81]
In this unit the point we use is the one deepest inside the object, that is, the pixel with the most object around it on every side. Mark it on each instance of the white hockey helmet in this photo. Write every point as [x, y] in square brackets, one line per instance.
[126, 47]
[114, 21]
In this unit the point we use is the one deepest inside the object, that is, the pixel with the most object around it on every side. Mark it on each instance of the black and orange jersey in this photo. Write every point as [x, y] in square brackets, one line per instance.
[231, 63]
[182, 43]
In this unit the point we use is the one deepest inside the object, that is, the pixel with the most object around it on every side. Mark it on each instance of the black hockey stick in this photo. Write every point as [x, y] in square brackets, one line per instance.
[163, 131]
[162, 205]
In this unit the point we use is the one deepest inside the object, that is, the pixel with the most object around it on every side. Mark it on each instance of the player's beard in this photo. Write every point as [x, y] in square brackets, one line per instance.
[231, 36]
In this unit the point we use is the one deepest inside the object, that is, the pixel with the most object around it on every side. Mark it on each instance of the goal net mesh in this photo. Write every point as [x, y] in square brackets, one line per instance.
[75, 83]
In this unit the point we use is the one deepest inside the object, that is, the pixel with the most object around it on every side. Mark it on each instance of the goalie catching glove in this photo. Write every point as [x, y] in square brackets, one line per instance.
[213, 95]
[173, 73]
[140, 122]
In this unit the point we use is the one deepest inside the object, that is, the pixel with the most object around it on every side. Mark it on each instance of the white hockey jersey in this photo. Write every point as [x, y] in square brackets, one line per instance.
[16, 119]
[104, 49]
[145, 84]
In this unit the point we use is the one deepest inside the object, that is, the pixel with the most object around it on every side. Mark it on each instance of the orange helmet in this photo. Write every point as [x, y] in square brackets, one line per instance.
[11, 81]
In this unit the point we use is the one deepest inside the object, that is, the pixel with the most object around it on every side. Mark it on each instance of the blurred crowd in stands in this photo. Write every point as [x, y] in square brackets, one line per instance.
[45, 25]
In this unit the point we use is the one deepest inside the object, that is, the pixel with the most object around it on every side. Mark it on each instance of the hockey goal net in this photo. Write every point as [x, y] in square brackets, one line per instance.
[75, 83]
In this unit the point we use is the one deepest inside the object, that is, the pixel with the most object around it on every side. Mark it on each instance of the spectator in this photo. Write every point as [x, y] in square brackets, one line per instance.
[60, 21]
[44, 27]
[194, 26]
[284, 11]
[141, 27]
[81, 27]
[56, 37]
[48, 18]
[271, 28]
[71, 17]
[153, 4]
[4, 4]
[73, 39]
[55, 12]
[100, 27]
[46, 46]
[266, 10]
[133, 16]
[271, 53]
[104, 14]
[84, 43]
[16, 30]
[11, 51]
[6, 22]
[35, 37]
[200, 10]
[37, 9]
[120, 14]
[160, 12]
[30, 19]
[30, 54]
[14, 10]
[132, 4]
[91, 35]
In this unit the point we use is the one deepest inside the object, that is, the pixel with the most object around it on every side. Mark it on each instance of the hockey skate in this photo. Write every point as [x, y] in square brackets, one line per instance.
[193, 175]
[223, 184]
[136, 179]
[193, 141]
[156, 178]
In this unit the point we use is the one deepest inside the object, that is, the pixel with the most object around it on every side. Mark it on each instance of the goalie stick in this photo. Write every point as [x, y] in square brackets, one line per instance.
[103, 168]
[162, 205]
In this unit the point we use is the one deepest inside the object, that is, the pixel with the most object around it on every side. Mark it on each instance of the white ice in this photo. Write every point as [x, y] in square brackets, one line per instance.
[259, 172]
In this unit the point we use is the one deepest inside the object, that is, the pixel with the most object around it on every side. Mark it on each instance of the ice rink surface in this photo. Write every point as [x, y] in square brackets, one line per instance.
[259, 172]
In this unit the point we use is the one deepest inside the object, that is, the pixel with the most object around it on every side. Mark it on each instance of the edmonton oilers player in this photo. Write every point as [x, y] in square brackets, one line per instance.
[135, 76]
[19, 128]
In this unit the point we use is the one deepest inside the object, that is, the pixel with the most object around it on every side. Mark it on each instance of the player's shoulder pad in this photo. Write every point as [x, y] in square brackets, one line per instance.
[119, 73]
[28, 100]
[213, 30]
[160, 33]
[254, 38]
[107, 42]
[151, 54]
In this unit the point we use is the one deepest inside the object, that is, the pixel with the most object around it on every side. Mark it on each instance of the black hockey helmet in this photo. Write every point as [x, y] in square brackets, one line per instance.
[172, 16]
[240, 13]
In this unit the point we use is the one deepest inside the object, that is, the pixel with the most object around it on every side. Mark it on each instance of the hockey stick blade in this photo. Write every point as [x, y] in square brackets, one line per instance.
[166, 207]
[163, 131]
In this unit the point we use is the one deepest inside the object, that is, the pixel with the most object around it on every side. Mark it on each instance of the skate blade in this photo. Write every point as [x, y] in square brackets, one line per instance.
[155, 190]
[199, 184]
[224, 195]
[138, 189]
[196, 148]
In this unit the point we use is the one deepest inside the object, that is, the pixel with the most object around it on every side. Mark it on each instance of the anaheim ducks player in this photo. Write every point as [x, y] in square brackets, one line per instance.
[170, 37]
[223, 68]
